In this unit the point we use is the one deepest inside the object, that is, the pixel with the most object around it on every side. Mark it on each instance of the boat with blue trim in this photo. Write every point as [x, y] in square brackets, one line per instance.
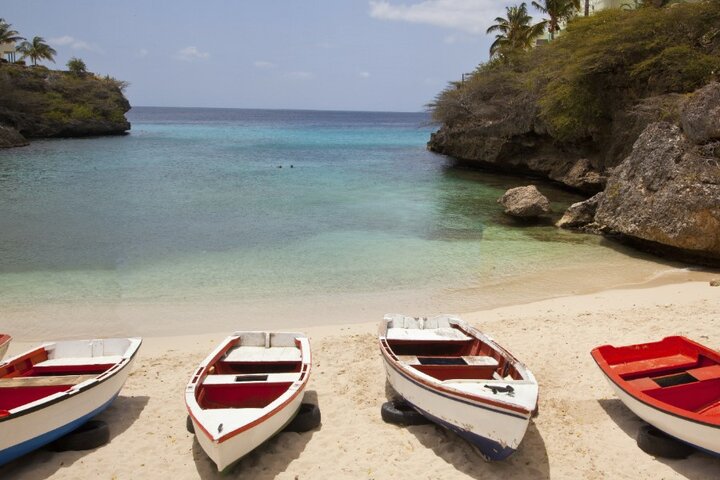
[460, 378]
[53, 389]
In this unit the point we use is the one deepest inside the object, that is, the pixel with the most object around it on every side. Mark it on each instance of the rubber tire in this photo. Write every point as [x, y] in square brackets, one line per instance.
[189, 425]
[307, 418]
[399, 412]
[90, 435]
[659, 444]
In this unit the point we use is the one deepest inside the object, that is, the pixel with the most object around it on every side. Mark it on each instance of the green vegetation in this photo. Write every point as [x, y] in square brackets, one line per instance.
[76, 66]
[600, 65]
[515, 32]
[37, 50]
[558, 11]
[7, 34]
[41, 102]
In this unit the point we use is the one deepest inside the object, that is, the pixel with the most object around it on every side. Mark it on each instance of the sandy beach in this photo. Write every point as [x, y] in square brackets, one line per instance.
[582, 430]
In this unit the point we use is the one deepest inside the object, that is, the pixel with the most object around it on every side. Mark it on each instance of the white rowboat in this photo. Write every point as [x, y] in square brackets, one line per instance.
[460, 378]
[246, 391]
[53, 389]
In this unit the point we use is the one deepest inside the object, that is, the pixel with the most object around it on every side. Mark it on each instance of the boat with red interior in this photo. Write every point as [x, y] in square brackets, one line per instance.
[460, 378]
[247, 390]
[55, 388]
[673, 384]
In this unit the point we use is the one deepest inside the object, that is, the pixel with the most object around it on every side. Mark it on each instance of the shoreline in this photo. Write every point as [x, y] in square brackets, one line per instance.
[153, 319]
[582, 431]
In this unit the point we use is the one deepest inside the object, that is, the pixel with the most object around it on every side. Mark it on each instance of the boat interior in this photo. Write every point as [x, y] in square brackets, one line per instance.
[40, 373]
[674, 371]
[445, 351]
[253, 372]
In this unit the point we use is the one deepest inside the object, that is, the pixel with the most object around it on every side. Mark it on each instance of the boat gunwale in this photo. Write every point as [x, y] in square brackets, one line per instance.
[214, 357]
[75, 390]
[646, 399]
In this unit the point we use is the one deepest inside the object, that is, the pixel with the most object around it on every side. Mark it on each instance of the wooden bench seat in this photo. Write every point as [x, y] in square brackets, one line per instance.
[652, 366]
[44, 381]
[251, 378]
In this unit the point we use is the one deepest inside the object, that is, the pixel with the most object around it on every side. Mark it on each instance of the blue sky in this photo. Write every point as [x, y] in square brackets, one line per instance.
[389, 55]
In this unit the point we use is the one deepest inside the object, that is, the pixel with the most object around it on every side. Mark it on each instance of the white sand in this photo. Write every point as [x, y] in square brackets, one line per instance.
[582, 430]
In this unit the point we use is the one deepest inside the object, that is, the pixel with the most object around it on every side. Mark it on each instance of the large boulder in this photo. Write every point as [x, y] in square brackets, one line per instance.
[667, 192]
[701, 114]
[9, 137]
[580, 214]
[525, 202]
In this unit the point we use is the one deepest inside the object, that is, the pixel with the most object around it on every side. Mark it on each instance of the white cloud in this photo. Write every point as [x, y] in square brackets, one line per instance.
[264, 64]
[301, 75]
[190, 54]
[365, 74]
[74, 43]
[143, 53]
[473, 16]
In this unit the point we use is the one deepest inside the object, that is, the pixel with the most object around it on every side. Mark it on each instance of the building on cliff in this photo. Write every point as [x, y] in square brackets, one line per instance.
[7, 51]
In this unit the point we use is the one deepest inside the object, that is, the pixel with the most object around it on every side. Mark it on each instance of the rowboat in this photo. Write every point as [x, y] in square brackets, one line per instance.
[4, 344]
[673, 384]
[246, 391]
[460, 378]
[53, 389]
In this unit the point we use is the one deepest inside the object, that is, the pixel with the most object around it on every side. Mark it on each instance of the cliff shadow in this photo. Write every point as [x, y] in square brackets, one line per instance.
[43, 463]
[698, 466]
[267, 461]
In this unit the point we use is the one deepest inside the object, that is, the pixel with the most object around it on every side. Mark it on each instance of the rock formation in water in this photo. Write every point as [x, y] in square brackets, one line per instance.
[39, 103]
[525, 202]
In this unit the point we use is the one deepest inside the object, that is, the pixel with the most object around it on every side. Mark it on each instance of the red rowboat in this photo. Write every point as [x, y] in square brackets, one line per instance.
[673, 384]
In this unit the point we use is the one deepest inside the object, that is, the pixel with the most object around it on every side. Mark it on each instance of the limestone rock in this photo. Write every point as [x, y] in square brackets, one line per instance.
[667, 191]
[580, 214]
[701, 115]
[9, 137]
[525, 202]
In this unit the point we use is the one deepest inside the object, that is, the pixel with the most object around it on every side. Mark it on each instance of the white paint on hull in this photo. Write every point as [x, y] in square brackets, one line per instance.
[700, 435]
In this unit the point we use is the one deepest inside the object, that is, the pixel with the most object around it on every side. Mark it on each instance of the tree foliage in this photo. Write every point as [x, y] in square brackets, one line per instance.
[558, 11]
[76, 66]
[601, 65]
[36, 50]
[7, 34]
[514, 32]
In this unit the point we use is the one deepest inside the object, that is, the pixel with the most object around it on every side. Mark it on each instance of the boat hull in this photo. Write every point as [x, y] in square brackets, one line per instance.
[494, 431]
[231, 450]
[701, 436]
[24, 433]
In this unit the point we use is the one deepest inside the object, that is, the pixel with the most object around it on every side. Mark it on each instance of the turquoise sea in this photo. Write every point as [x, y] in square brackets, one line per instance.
[254, 206]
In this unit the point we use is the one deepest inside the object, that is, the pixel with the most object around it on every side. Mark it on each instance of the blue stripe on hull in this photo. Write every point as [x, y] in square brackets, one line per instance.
[27, 446]
[491, 449]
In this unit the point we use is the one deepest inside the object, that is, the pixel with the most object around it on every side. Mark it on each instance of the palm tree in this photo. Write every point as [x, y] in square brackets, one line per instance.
[8, 35]
[557, 11]
[37, 50]
[515, 32]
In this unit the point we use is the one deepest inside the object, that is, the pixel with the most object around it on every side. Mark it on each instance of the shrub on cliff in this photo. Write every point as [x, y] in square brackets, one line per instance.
[600, 65]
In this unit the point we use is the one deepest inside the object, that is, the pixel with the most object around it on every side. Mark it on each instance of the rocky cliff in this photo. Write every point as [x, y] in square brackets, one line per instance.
[609, 107]
[38, 103]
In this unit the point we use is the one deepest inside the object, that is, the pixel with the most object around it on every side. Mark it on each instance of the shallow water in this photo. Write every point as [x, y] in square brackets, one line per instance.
[193, 206]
